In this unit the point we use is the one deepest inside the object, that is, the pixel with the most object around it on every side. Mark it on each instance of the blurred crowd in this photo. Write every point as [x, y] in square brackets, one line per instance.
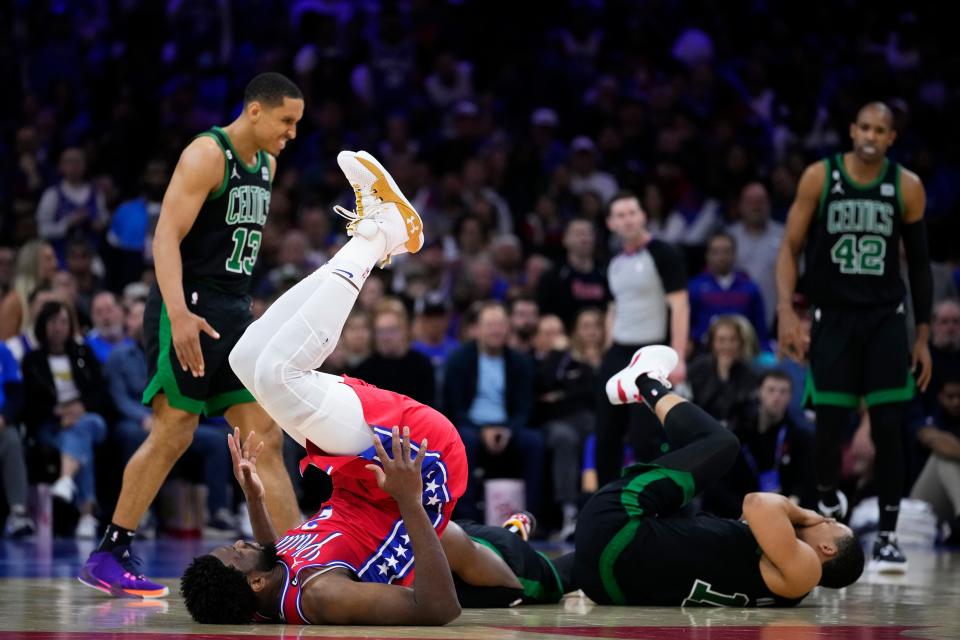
[511, 130]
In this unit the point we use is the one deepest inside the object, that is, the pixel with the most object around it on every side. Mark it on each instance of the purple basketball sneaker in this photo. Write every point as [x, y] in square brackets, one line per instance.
[118, 574]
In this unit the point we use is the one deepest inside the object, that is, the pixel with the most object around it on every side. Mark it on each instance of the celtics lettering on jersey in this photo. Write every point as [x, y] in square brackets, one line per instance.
[222, 246]
[246, 204]
[852, 254]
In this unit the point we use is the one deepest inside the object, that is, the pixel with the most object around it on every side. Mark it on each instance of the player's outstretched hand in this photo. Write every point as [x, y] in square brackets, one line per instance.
[245, 463]
[185, 331]
[399, 475]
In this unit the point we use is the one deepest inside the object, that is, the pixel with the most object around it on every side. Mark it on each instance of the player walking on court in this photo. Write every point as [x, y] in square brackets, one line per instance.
[205, 248]
[851, 211]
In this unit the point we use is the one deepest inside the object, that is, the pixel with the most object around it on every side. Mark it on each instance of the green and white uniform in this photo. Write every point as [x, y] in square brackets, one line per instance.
[858, 338]
[219, 253]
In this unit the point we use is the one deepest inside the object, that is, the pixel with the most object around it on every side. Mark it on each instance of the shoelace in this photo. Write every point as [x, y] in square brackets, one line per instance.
[354, 217]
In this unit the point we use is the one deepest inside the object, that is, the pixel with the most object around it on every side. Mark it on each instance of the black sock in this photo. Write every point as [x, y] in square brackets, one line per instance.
[651, 390]
[828, 449]
[115, 536]
[886, 429]
[888, 518]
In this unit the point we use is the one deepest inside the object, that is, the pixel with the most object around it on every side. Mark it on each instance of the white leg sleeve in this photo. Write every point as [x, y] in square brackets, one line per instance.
[337, 426]
[243, 356]
[277, 355]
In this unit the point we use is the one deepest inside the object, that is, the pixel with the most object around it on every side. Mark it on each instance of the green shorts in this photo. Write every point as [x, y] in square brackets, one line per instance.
[858, 353]
[219, 388]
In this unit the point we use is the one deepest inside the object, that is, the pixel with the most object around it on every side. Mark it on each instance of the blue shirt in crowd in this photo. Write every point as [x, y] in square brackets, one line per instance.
[489, 406]
[709, 298]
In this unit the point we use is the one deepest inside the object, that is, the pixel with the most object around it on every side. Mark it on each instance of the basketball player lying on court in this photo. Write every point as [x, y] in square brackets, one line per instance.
[353, 561]
[634, 548]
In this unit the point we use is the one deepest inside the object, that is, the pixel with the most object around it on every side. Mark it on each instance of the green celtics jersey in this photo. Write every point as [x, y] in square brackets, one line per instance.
[852, 254]
[221, 248]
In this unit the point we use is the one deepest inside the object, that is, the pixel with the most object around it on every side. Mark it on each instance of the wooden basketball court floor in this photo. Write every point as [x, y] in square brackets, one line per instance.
[40, 599]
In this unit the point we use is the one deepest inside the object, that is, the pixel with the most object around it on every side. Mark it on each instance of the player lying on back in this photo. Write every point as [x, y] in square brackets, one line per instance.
[279, 579]
[633, 547]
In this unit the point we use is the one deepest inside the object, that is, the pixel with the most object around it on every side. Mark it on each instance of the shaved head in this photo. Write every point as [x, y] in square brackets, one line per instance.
[881, 108]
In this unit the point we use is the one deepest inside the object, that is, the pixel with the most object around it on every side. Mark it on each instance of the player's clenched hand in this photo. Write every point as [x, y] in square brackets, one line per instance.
[245, 463]
[185, 329]
[398, 475]
[791, 339]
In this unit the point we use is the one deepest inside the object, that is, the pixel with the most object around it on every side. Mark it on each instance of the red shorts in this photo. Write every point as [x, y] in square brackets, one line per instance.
[366, 516]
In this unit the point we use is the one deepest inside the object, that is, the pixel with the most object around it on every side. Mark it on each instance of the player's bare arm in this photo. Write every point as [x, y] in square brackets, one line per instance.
[790, 340]
[474, 563]
[789, 566]
[198, 173]
[340, 599]
[915, 244]
[245, 471]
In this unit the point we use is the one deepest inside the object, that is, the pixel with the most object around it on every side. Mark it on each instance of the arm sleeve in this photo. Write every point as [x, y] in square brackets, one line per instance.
[670, 266]
[918, 262]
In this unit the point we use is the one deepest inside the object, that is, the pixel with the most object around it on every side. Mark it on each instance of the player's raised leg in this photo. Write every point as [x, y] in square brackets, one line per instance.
[277, 356]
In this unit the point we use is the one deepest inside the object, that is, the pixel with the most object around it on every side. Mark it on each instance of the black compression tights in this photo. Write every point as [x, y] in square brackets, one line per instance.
[886, 422]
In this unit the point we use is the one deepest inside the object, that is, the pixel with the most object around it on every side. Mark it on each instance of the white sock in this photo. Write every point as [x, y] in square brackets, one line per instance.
[357, 258]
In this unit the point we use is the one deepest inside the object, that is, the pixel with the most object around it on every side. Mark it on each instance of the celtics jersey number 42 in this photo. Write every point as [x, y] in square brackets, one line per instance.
[221, 248]
[852, 254]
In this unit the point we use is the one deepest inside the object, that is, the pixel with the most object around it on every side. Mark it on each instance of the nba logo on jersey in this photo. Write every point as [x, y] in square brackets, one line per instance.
[265, 173]
[229, 154]
[886, 189]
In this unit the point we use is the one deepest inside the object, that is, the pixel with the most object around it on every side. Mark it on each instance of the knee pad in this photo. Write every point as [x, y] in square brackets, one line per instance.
[266, 374]
[243, 359]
